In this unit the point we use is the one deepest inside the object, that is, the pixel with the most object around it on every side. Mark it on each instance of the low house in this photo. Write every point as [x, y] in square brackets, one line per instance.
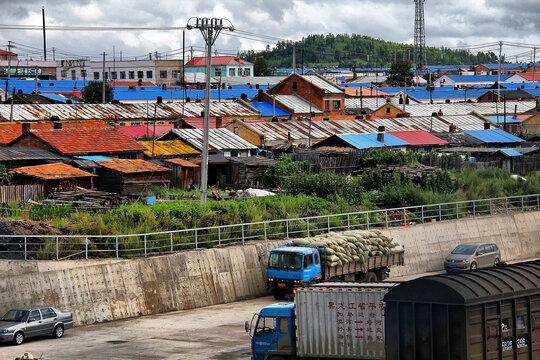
[248, 172]
[185, 174]
[495, 137]
[168, 149]
[221, 66]
[246, 132]
[127, 177]
[27, 156]
[54, 177]
[531, 125]
[73, 142]
[505, 95]
[469, 80]
[348, 142]
[419, 140]
[390, 110]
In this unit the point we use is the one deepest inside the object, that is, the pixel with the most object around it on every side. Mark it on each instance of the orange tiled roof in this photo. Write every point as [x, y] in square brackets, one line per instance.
[54, 171]
[182, 162]
[88, 141]
[9, 132]
[131, 166]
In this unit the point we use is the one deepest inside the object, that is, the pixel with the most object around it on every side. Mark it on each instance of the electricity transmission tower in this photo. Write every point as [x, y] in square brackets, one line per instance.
[210, 29]
[419, 34]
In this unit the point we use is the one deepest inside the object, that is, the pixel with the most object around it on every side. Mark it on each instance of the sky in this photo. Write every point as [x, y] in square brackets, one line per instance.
[456, 23]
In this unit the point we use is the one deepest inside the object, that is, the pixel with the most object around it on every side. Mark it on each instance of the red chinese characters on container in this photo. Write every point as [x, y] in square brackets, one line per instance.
[351, 324]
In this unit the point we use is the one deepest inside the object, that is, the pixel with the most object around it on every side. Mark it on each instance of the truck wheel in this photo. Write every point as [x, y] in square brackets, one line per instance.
[278, 294]
[371, 277]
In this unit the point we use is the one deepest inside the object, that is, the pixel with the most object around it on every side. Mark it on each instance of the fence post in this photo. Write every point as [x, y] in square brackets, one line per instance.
[57, 248]
[457, 211]
[219, 235]
[506, 205]
[243, 239]
[196, 245]
[172, 246]
[538, 202]
[328, 223]
[490, 207]
[405, 217]
[287, 228]
[348, 221]
[86, 247]
[440, 213]
[474, 208]
[422, 214]
[522, 205]
[25, 254]
[386, 217]
[265, 239]
[145, 245]
[308, 228]
[117, 247]
[367, 220]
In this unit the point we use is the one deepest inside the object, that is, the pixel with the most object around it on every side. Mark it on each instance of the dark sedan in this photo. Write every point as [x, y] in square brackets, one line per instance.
[19, 324]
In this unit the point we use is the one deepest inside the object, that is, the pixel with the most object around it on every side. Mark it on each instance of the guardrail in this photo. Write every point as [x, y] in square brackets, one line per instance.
[97, 246]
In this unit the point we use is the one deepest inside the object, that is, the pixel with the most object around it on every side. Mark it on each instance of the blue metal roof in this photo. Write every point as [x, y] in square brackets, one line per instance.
[366, 141]
[279, 310]
[500, 119]
[94, 157]
[493, 136]
[58, 97]
[266, 109]
[511, 152]
[507, 66]
[477, 78]
[179, 94]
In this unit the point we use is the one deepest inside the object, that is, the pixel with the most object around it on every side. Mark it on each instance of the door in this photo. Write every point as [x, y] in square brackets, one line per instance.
[482, 256]
[35, 325]
[492, 339]
[265, 337]
[49, 319]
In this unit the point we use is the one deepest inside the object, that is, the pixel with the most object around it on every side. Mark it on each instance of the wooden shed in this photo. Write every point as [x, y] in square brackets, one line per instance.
[247, 172]
[185, 174]
[131, 176]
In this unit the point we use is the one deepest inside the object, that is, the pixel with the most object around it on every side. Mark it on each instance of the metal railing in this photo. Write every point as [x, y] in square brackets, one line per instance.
[60, 247]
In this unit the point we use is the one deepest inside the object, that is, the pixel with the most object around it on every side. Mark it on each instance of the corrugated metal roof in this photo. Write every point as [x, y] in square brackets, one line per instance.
[27, 153]
[168, 148]
[138, 131]
[487, 108]
[182, 162]
[54, 171]
[362, 141]
[494, 136]
[120, 112]
[218, 139]
[511, 152]
[324, 84]
[298, 104]
[267, 109]
[217, 61]
[418, 137]
[132, 166]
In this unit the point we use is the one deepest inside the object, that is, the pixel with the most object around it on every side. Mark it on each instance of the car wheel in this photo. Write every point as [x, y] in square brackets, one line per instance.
[474, 265]
[497, 261]
[18, 338]
[58, 331]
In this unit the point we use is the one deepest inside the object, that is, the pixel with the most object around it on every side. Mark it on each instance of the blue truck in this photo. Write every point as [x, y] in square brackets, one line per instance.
[326, 321]
[292, 266]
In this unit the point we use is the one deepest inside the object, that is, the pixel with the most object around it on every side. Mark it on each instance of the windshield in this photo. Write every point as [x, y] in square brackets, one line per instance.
[282, 260]
[464, 250]
[15, 315]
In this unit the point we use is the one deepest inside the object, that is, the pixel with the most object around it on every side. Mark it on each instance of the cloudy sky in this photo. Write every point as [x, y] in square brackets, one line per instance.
[448, 23]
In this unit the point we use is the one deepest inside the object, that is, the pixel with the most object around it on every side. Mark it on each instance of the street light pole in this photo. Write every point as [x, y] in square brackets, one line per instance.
[210, 29]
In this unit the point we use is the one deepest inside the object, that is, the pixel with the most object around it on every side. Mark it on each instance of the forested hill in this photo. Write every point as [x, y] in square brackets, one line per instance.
[348, 50]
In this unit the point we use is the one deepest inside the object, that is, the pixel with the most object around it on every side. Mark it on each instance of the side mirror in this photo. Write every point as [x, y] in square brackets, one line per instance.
[478, 253]
[246, 326]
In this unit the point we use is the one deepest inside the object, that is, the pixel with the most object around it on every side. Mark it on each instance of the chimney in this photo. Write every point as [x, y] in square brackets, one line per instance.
[388, 100]
[452, 128]
[381, 128]
[400, 99]
[197, 100]
[487, 126]
[368, 116]
[25, 127]
[244, 97]
[57, 125]
[139, 83]
[260, 95]
[289, 137]
[380, 134]
[159, 99]
[219, 122]
[440, 113]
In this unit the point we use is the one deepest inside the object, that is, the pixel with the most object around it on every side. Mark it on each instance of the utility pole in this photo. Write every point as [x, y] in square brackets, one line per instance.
[534, 63]
[294, 59]
[44, 42]
[210, 29]
[499, 80]
[9, 63]
[53, 55]
[103, 81]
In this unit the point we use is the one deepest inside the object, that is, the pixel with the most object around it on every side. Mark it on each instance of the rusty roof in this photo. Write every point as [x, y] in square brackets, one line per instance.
[132, 166]
[121, 112]
[86, 141]
[169, 147]
[54, 171]
[182, 162]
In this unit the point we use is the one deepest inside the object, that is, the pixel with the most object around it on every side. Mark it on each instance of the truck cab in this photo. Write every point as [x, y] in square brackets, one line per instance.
[272, 332]
[292, 266]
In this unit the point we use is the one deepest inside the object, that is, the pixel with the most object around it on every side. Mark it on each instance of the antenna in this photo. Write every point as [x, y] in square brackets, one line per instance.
[419, 34]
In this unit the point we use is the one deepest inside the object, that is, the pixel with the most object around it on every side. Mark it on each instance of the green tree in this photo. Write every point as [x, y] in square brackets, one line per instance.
[92, 93]
[260, 67]
[400, 73]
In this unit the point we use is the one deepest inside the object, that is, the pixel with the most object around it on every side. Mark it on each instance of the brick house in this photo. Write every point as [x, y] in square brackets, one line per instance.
[76, 142]
[322, 93]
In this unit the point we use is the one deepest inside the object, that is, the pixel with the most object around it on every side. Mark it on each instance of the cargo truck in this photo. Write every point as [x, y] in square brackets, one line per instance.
[326, 321]
[292, 266]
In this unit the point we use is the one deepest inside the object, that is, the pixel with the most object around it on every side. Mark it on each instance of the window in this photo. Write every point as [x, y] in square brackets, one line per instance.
[294, 86]
[514, 128]
[122, 75]
[48, 313]
[83, 73]
[265, 325]
[232, 72]
[176, 74]
[113, 75]
[127, 155]
[132, 74]
[336, 105]
[327, 105]
[34, 315]
[149, 74]
[96, 75]
[236, 130]
[63, 73]
[140, 74]
[308, 261]
[388, 110]
[73, 75]
[283, 325]
[247, 72]
[217, 72]
[106, 76]
[162, 74]
[316, 259]
[234, 154]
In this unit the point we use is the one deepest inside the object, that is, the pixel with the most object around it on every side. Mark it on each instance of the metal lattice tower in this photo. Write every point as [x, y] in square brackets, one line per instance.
[419, 33]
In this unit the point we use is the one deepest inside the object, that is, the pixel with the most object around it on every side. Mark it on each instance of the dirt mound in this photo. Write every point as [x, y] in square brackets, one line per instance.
[13, 247]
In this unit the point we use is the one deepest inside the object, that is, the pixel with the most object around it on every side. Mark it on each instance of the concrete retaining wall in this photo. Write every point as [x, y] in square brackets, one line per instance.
[104, 290]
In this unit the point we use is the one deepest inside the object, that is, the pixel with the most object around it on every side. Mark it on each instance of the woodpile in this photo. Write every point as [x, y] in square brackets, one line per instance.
[84, 199]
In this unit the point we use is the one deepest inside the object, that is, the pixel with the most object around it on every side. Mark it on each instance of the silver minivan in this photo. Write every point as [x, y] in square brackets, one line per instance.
[473, 256]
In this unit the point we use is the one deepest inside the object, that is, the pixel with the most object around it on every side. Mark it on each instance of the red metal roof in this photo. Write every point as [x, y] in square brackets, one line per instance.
[182, 162]
[529, 76]
[138, 131]
[4, 52]
[217, 61]
[9, 132]
[55, 171]
[197, 123]
[88, 141]
[418, 137]
[132, 166]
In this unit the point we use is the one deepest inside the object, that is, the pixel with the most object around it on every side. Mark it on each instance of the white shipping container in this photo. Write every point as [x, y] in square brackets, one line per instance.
[341, 320]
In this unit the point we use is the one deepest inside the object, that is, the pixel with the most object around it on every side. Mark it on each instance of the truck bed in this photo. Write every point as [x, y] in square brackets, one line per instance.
[374, 262]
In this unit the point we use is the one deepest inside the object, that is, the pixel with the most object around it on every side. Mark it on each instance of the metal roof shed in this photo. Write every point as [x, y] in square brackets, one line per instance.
[494, 136]
[361, 141]
[484, 314]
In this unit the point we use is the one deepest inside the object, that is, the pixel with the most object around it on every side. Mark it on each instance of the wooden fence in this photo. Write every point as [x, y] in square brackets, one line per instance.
[10, 193]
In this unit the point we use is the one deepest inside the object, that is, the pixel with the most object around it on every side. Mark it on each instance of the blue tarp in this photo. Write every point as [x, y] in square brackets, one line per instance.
[493, 136]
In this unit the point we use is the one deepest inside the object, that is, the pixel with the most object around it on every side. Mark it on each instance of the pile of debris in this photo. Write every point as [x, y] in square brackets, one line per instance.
[83, 199]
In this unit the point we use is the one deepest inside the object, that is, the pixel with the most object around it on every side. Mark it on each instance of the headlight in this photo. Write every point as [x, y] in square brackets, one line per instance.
[270, 279]
[465, 261]
[4, 331]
